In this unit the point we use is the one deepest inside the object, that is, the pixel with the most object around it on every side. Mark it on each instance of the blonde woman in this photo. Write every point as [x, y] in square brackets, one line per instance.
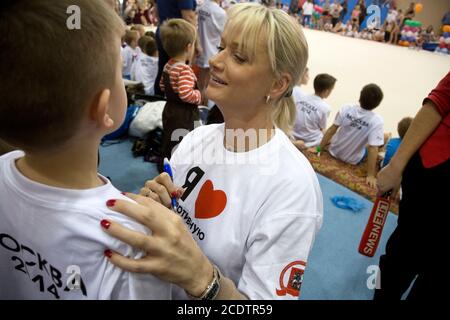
[249, 203]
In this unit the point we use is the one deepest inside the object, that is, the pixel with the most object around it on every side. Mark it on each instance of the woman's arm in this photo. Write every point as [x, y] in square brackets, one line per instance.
[423, 125]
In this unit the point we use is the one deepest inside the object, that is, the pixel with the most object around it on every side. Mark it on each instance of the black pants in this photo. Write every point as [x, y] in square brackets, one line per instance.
[162, 60]
[417, 247]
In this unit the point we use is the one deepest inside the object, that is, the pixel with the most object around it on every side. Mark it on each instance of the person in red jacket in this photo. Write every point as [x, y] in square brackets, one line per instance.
[417, 246]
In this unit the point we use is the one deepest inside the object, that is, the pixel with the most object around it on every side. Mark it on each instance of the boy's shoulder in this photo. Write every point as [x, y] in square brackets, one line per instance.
[176, 66]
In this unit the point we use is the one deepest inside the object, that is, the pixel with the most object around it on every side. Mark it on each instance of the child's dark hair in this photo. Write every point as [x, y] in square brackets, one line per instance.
[370, 97]
[403, 126]
[323, 82]
[47, 80]
[147, 45]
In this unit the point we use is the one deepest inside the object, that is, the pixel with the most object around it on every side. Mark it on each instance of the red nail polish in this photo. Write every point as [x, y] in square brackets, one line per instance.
[124, 193]
[105, 224]
[108, 253]
[111, 203]
[174, 194]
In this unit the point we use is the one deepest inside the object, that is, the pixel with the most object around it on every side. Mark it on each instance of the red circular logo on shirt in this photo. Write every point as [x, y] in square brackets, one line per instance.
[294, 282]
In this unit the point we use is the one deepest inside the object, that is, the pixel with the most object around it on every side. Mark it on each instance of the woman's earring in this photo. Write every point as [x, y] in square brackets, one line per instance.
[267, 99]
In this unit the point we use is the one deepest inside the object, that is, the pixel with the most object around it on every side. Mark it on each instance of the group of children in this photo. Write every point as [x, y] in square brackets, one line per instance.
[140, 57]
[356, 134]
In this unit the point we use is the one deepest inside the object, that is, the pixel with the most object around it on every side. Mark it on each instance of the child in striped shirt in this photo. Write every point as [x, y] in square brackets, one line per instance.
[178, 82]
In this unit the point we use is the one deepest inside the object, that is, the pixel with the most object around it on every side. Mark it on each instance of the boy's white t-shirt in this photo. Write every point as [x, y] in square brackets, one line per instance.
[129, 56]
[311, 119]
[357, 129]
[50, 236]
[211, 22]
[254, 214]
[145, 71]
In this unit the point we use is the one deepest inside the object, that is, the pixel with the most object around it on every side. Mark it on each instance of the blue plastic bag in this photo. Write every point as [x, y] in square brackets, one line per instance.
[348, 203]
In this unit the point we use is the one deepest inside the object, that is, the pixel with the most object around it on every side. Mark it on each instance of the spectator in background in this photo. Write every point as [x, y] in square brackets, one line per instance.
[335, 11]
[428, 35]
[446, 19]
[363, 12]
[344, 10]
[130, 53]
[146, 67]
[410, 12]
[211, 21]
[308, 8]
[293, 8]
[167, 9]
[130, 11]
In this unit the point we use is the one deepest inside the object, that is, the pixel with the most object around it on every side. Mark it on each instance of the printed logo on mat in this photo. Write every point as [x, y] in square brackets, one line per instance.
[292, 276]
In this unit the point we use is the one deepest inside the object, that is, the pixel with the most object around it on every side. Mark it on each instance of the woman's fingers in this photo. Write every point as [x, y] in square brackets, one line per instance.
[142, 265]
[160, 190]
[146, 192]
[133, 238]
[152, 214]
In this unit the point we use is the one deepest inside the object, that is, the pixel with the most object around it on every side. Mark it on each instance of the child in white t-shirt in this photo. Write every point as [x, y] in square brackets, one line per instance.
[312, 113]
[356, 127]
[130, 53]
[146, 68]
[52, 200]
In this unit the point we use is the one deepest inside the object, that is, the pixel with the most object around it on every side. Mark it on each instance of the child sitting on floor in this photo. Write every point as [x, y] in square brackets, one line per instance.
[393, 143]
[356, 127]
[178, 82]
[52, 200]
[312, 113]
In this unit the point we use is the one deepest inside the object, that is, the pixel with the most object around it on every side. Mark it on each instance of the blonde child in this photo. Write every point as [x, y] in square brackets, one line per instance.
[130, 53]
[178, 81]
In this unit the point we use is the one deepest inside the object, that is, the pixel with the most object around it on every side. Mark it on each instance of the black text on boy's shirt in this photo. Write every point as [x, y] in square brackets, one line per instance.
[33, 265]
[356, 123]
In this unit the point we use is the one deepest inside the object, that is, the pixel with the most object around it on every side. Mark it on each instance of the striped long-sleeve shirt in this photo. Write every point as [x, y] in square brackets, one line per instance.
[182, 81]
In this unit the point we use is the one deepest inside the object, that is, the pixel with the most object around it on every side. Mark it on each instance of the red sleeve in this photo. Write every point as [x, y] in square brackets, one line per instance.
[441, 96]
[436, 149]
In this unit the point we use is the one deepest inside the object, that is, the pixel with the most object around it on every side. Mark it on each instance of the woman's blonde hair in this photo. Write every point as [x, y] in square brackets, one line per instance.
[287, 49]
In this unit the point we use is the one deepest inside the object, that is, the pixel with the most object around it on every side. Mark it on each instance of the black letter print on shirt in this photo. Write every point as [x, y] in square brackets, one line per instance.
[190, 184]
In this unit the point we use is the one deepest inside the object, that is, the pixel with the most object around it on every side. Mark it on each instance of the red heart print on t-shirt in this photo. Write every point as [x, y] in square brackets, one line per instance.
[210, 203]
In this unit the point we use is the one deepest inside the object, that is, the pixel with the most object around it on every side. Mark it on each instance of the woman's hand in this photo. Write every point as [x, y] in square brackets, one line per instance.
[161, 189]
[389, 179]
[171, 253]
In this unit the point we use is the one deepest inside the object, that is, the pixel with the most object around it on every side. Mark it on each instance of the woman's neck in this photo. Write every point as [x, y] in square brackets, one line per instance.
[248, 132]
